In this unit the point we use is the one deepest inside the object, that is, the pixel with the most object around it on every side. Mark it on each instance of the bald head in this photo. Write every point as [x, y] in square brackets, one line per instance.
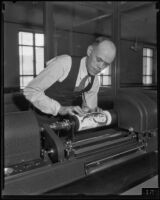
[107, 49]
[100, 55]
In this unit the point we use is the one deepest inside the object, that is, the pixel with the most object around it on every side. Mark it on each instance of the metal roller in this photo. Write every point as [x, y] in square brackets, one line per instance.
[88, 121]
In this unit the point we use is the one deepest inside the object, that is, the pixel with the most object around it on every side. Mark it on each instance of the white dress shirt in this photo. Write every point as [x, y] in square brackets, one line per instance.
[57, 70]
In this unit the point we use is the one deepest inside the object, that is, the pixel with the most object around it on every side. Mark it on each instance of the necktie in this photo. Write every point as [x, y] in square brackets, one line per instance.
[82, 87]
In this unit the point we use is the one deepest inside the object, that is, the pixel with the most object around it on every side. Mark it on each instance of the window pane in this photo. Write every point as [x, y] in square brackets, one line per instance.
[106, 80]
[144, 65]
[106, 71]
[20, 61]
[147, 80]
[144, 79]
[24, 80]
[25, 38]
[147, 66]
[149, 52]
[100, 79]
[39, 59]
[26, 60]
[39, 39]
[144, 51]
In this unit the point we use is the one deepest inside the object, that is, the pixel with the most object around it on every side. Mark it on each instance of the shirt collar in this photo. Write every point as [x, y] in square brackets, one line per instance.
[83, 68]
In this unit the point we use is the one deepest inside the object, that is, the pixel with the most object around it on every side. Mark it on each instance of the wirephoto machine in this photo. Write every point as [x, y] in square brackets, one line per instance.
[41, 158]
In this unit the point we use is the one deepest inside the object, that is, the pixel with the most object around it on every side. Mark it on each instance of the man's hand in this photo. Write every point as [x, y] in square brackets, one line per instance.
[97, 109]
[70, 110]
[88, 110]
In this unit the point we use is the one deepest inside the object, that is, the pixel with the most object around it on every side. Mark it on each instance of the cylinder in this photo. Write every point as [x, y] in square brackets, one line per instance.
[87, 121]
[96, 119]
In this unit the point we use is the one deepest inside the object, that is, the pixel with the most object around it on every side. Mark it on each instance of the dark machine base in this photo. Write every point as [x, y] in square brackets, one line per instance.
[113, 180]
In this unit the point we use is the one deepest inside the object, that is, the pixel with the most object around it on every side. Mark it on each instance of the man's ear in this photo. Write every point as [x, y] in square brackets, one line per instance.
[89, 50]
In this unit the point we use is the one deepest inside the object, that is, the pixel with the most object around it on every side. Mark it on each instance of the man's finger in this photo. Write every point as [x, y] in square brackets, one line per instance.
[78, 110]
[99, 109]
[86, 110]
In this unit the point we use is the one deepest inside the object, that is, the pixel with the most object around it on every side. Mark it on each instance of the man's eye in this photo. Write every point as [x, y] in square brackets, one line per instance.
[99, 60]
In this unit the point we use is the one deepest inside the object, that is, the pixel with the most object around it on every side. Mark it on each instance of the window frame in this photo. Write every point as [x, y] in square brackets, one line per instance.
[34, 53]
[152, 59]
[101, 76]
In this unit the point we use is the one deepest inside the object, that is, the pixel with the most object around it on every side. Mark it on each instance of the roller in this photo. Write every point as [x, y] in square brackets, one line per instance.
[87, 121]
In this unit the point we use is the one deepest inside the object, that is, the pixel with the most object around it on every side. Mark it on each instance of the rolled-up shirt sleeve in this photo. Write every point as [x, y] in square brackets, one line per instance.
[57, 70]
[90, 98]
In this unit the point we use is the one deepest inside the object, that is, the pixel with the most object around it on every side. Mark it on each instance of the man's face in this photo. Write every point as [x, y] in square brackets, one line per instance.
[100, 57]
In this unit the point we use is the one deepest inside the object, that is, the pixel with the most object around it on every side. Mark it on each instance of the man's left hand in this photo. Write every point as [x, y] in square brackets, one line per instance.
[88, 110]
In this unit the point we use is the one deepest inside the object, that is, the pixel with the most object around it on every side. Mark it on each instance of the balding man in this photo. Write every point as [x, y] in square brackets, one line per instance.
[56, 89]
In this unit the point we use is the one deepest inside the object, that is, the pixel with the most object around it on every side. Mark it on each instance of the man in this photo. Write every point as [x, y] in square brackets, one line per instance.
[55, 90]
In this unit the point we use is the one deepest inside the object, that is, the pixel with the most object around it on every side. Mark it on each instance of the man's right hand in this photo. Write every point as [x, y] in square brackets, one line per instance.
[70, 110]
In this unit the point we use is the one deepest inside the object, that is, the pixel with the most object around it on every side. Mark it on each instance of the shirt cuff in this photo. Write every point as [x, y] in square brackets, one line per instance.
[56, 108]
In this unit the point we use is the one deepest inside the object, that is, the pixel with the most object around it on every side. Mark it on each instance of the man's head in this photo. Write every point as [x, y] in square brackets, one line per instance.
[100, 55]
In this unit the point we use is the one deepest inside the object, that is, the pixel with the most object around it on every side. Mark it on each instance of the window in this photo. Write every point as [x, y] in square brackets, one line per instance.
[147, 66]
[31, 56]
[105, 76]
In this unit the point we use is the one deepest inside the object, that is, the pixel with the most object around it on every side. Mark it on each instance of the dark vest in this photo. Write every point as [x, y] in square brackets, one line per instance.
[63, 92]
